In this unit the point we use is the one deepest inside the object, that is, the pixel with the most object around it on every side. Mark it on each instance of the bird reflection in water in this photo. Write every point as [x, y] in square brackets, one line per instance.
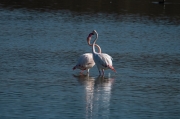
[97, 95]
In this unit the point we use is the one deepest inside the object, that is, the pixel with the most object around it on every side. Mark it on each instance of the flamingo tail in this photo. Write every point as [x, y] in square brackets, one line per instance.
[112, 68]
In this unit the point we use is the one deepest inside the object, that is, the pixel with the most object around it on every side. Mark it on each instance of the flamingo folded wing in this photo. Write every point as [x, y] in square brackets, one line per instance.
[84, 62]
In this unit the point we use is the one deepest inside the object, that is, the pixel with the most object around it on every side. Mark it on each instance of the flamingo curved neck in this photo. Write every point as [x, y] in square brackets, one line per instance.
[88, 41]
[99, 48]
[94, 43]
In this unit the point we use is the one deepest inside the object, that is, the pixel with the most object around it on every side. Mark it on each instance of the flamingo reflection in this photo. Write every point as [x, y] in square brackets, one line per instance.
[97, 95]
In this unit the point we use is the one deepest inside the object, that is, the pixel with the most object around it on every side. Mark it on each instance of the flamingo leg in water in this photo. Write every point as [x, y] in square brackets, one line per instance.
[99, 72]
[87, 71]
[81, 72]
[103, 72]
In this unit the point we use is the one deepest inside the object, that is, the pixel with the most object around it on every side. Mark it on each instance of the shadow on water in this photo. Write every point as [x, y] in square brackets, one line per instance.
[97, 95]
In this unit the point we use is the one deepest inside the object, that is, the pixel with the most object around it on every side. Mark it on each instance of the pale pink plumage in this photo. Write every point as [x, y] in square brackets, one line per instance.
[85, 62]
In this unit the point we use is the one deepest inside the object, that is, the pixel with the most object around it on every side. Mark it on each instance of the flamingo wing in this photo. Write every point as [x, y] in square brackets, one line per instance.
[104, 61]
[107, 58]
[85, 61]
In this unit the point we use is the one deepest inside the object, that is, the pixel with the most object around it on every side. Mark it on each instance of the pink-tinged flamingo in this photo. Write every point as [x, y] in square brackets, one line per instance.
[85, 61]
[102, 60]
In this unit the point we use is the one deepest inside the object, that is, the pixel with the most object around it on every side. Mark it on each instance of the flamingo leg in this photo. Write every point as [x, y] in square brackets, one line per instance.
[87, 71]
[99, 72]
[103, 72]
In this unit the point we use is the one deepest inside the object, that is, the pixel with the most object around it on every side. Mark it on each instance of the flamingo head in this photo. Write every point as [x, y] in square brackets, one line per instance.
[90, 35]
[89, 38]
[94, 32]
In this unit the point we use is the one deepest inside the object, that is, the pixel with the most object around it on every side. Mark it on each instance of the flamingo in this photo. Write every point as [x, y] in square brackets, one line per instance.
[102, 60]
[85, 61]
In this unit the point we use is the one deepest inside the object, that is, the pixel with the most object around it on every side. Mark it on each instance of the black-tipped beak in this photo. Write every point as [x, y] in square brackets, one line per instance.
[92, 33]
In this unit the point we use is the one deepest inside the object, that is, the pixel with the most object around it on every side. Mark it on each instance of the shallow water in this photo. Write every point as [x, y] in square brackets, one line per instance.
[39, 47]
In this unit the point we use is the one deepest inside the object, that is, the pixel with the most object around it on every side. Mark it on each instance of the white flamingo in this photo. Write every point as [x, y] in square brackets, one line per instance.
[102, 60]
[85, 61]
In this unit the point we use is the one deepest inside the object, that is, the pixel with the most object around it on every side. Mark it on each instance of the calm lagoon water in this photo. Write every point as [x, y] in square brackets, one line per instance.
[39, 47]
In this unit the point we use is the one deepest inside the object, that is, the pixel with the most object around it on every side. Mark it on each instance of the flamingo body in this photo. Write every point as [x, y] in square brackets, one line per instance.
[102, 60]
[85, 62]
